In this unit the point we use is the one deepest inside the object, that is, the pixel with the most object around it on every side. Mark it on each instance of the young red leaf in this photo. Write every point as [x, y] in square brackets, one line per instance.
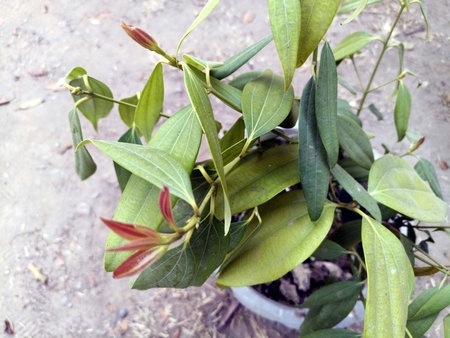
[165, 207]
[139, 261]
[129, 231]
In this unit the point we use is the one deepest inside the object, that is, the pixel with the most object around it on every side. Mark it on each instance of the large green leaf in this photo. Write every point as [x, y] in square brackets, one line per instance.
[191, 266]
[202, 107]
[352, 44]
[313, 163]
[150, 103]
[390, 281]
[355, 142]
[285, 21]
[357, 191]
[127, 112]
[333, 333]
[122, 174]
[402, 110]
[426, 171]
[259, 177]
[286, 238]
[326, 104]
[395, 183]
[154, 165]
[237, 61]
[93, 109]
[317, 16]
[329, 305]
[209, 6]
[180, 136]
[84, 164]
[265, 104]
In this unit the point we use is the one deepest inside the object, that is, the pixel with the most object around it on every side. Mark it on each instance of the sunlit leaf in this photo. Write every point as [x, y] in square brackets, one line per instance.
[390, 281]
[200, 64]
[126, 112]
[362, 4]
[427, 172]
[351, 5]
[285, 21]
[402, 110]
[352, 44]
[150, 103]
[395, 183]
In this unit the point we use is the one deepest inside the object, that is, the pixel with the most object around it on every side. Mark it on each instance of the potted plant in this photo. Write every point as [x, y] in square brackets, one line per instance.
[260, 207]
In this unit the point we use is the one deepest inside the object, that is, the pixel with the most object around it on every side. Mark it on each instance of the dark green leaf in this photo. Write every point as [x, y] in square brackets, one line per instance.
[358, 173]
[265, 104]
[347, 85]
[285, 21]
[126, 112]
[181, 268]
[329, 250]
[122, 174]
[237, 232]
[286, 238]
[202, 107]
[234, 135]
[426, 171]
[402, 110]
[347, 235]
[94, 109]
[389, 274]
[150, 103]
[259, 177]
[333, 333]
[326, 104]
[344, 109]
[240, 81]
[352, 44]
[317, 16]
[291, 120]
[238, 60]
[408, 246]
[84, 164]
[313, 164]
[374, 110]
[333, 293]
[355, 142]
[357, 191]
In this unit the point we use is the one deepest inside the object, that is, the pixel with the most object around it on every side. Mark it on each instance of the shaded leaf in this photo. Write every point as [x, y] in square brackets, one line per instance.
[84, 164]
[402, 110]
[329, 250]
[234, 135]
[150, 103]
[358, 173]
[347, 85]
[285, 21]
[427, 172]
[313, 163]
[357, 191]
[394, 182]
[126, 112]
[240, 81]
[237, 61]
[333, 333]
[352, 44]
[286, 238]
[390, 281]
[344, 109]
[291, 120]
[347, 235]
[374, 110]
[326, 104]
[316, 17]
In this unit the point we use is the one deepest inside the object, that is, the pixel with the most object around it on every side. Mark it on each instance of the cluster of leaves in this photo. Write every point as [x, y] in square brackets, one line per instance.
[275, 227]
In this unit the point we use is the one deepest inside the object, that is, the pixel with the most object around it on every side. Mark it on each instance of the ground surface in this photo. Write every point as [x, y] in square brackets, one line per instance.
[50, 219]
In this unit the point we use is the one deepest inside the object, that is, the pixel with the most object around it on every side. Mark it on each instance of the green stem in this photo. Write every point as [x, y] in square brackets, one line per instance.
[357, 72]
[431, 226]
[383, 50]
[418, 248]
[384, 84]
[314, 62]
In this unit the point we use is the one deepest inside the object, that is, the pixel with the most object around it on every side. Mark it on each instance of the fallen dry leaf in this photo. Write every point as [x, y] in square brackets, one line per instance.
[31, 103]
[249, 16]
[8, 327]
[37, 273]
[443, 165]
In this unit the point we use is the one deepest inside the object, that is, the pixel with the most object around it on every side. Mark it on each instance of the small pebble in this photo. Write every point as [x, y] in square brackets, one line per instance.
[66, 302]
[83, 208]
[122, 313]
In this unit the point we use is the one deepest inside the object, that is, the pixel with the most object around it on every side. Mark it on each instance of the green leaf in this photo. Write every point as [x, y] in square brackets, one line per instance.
[326, 104]
[426, 171]
[447, 326]
[122, 174]
[344, 109]
[200, 64]
[394, 182]
[329, 305]
[423, 9]
[180, 136]
[347, 85]
[150, 103]
[259, 177]
[329, 250]
[126, 112]
[209, 6]
[352, 44]
[413, 136]
[333, 333]
[347, 235]
[75, 73]
[317, 16]
[286, 238]
[234, 135]
[84, 164]
[285, 21]
[358, 173]
[265, 104]
[374, 110]
[291, 120]
[153, 165]
[313, 163]
[355, 142]
[240, 81]
[402, 110]
[390, 281]
[181, 268]
[362, 4]
[93, 109]
[237, 61]
[357, 191]
[202, 107]
[351, 5]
